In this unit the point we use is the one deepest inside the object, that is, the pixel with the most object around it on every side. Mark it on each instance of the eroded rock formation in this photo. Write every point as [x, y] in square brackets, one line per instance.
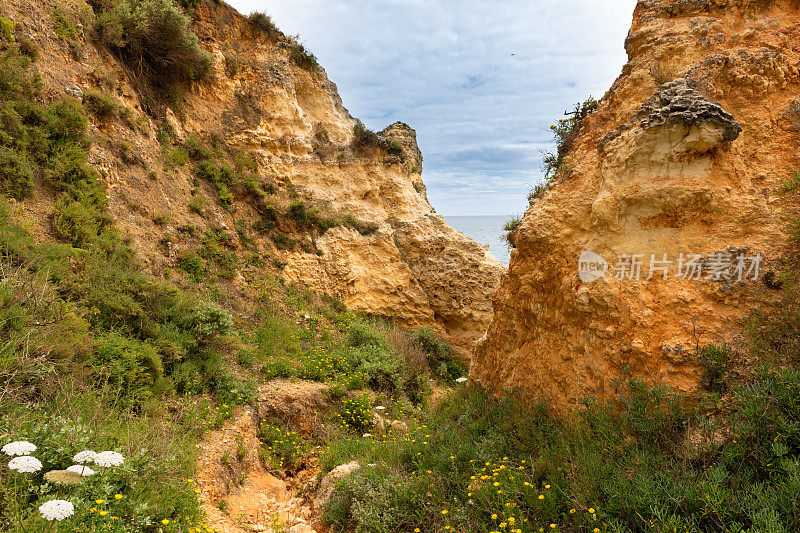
[290, 120]
[684, 155]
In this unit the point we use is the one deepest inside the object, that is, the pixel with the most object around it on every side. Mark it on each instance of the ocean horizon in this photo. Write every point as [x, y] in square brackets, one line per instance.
[484, 229]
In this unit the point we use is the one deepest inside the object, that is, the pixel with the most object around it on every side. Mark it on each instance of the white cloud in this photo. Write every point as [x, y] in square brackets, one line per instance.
[446, 68]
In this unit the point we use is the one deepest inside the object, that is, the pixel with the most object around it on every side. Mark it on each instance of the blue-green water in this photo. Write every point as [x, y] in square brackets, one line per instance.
[484, 230]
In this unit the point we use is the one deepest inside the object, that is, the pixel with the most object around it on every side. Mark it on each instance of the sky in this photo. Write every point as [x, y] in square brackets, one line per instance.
[480, 81]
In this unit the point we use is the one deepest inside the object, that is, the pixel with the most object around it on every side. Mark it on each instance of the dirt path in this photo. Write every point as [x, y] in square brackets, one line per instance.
[238, 495]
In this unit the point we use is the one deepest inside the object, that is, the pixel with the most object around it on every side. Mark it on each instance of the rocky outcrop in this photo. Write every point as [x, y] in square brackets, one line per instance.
[677, 173]
[288, 121]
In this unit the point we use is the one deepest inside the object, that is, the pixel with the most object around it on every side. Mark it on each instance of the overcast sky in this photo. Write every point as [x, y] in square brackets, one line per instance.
[480, 81]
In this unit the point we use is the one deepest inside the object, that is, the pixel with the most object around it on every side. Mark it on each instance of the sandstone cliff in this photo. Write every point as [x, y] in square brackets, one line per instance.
[300, 147]
[684, 155]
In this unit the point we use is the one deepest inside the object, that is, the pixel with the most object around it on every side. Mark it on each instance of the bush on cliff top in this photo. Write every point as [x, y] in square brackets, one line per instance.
[154, 39]
[264, 22]
[566, 132]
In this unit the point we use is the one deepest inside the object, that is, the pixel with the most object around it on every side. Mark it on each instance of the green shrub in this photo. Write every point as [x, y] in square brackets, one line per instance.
[165, 133]
[566, 133]
[383, 370]
[7, 29]
[193, 266]
[282, 241]
[220, 176]
[16, 174]
[510, 228]
[715, 362]
[208, 171]
[179, 157]
[211, 320]
[41, 141]
[226, 262]
[791, 182]
[225, 196]
[303, 58]
[653, 414]
[153, 38]
[132, 367]
[277, 368]
[82, 223]
[364, 334]
[395, 148]
[100, 104]
[197, 149]
[263, 226]
[63, 25]
[440, 355]
[264, 22]
[364, 228]
[231, 391]
[277, 339]
[297, 211]
[539, 189]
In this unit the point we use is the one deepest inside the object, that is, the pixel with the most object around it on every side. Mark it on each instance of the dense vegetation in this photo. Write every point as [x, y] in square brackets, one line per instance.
[647, 460]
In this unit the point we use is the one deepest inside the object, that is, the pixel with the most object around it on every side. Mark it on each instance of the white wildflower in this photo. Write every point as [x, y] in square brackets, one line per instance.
[380, 407]
[25, 464]
[365, 435]
[82, 470]
[56, 510]
[461, 380]
[86, 456]
[20, 447]
[108, 459]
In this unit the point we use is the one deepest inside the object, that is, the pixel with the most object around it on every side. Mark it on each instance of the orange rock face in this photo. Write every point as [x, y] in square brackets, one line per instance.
[685, 155]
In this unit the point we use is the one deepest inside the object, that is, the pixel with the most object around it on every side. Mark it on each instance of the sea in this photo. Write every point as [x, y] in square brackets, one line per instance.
[484, 230]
